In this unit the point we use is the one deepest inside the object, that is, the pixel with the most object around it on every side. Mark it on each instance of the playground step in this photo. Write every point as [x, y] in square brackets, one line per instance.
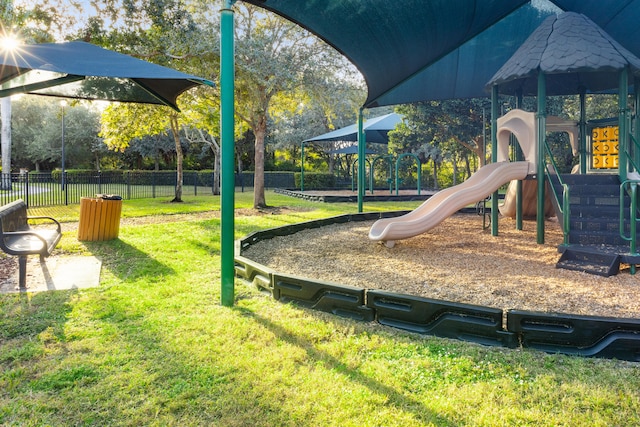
[591, 179]
[608, 225]
[589, 260]
[597, 201]
[578, 190]
[590, 211]
[589, 237]
[594, 224]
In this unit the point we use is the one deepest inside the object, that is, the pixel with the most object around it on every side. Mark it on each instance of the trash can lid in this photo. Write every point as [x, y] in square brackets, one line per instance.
[109, 196]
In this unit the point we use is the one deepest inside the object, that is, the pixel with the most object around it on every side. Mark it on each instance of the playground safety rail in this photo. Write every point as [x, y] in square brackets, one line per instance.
[630, 186]
[565, 206]
[569, 334]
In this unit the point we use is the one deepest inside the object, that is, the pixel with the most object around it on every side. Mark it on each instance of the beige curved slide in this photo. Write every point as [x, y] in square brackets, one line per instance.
[445, 203]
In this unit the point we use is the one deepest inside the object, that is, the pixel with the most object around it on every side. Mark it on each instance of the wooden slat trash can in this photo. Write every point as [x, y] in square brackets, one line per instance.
[99, 217]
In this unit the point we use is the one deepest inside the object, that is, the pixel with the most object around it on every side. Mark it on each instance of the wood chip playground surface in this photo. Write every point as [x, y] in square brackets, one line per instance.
[456, 261]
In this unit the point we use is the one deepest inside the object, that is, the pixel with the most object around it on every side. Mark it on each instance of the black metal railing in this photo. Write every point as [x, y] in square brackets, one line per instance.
[629, 186]
[52, 188]
[562, 203]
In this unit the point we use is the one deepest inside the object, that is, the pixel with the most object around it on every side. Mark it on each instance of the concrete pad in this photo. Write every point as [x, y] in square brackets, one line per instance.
[55, 273]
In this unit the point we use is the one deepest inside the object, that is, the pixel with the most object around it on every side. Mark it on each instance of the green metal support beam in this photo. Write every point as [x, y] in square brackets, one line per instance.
[494, 157]
[302, 166]
[636, 122]
[542, 131]
[582, 147]
[227, 187]
[361, 161]
[623, 132]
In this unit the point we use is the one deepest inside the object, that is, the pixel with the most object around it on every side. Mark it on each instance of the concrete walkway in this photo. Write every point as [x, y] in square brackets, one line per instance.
[55, 273]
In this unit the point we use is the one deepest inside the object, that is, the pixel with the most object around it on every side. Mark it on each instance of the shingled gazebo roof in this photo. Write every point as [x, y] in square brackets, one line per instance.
[573, 52]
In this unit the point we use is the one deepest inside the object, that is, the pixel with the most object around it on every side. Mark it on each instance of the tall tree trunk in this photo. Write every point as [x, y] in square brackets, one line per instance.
[435, 175]
[455, 170]
[240, 176]
[260, 132]
[179, 156]
[331, 162]
[5, 136]
[467, 165]
[216, 173]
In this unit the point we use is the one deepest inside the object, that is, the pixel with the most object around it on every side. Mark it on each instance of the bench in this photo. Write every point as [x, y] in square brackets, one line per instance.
[19, 238]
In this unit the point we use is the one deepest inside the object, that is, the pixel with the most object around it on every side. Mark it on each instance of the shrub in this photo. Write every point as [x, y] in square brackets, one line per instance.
[315, 181]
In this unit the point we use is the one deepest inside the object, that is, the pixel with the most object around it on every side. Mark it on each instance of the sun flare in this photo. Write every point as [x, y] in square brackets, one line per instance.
[9, 42]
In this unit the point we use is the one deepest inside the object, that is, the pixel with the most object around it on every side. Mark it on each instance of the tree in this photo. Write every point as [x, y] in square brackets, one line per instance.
[435, 130]
[83, 146]
[274, 57]
[202, 124]
[37, 133]
[8, 38]
[417, 134]
[328, 101]
[5, 135]
[19, 25]
[163, 31]
[156, 147]
[122, 123]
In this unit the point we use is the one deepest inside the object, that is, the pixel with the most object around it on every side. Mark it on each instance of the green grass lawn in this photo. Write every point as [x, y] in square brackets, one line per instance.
[153, 346]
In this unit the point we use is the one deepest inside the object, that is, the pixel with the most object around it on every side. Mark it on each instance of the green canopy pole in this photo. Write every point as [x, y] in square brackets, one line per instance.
[361, 162]
[623, 133]
[494, 156]
[582, 148]
[542, 130]
[302, 166]
[227, 187]
[636, 128]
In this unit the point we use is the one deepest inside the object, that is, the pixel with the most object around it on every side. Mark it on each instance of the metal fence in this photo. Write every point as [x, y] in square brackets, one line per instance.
[54, 188]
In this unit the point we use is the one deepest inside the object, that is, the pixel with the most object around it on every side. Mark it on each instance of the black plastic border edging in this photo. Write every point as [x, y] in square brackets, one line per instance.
[441, 318]
[345, 301]
[588, 336]
[579, 335]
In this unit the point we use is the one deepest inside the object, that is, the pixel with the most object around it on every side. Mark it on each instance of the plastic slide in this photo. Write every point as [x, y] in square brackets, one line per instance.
[445, 203]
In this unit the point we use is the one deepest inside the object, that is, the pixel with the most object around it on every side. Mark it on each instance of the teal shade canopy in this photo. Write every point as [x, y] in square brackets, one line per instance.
[375, 129]
[417, 50]
[85, 71]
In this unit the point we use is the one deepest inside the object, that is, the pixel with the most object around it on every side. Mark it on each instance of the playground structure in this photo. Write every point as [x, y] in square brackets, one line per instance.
[552, 332]
[523, 126]
[597, 209]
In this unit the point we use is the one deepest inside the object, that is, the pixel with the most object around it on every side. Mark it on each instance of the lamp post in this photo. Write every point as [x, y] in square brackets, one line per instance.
[63, 104]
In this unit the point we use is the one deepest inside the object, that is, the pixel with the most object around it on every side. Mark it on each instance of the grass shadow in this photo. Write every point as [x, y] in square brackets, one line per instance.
[128, 262]
[395, 398]
[25, 315]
